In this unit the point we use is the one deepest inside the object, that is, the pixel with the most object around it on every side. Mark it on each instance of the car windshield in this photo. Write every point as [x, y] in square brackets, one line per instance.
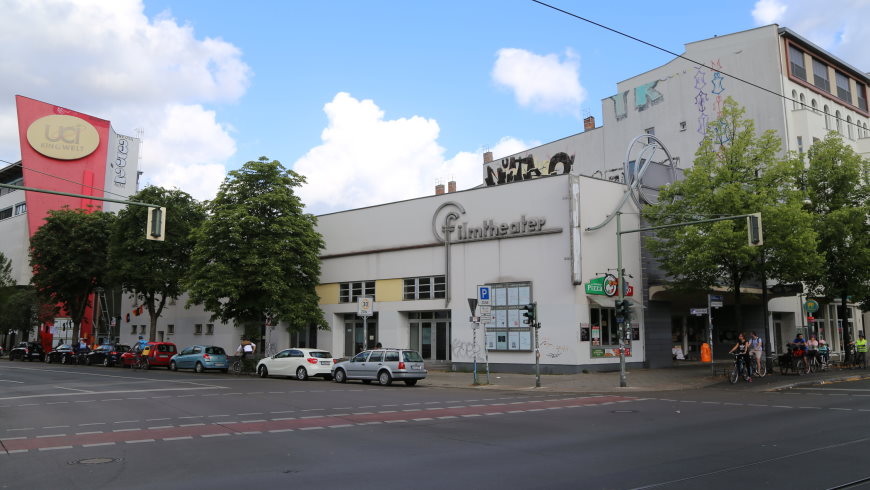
[217, 351]
[320, 354]
[64, 347]
[412, 356]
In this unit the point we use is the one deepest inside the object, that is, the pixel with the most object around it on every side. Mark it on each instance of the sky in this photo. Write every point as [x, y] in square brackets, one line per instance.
[372, 101]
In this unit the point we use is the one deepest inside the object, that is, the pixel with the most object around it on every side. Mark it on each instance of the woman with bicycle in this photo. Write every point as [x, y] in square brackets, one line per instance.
[742, 348]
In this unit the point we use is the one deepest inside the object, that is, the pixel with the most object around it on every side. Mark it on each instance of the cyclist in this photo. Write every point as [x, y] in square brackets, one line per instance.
[742, 348]
[139, 348]
[756, 350]
[861, 347]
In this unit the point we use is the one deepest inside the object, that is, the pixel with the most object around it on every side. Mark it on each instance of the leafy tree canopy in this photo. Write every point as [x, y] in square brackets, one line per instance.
[735, 172]
[6, 278]
[151, 269]
[69, 256]
[257, 253]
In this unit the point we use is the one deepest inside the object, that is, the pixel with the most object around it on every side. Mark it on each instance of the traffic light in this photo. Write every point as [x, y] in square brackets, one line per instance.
[756, 237]
[156, 228]
[530, 313]
[623, 311]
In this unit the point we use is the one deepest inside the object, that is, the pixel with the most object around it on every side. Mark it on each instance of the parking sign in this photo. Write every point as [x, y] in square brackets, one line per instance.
[483, 295]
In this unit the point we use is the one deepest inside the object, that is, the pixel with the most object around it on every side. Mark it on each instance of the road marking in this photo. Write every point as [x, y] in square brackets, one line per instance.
[51, 435]
[216, 435]
[73, 389]
[55, 447]
[91, 432]
[99, 444]
[181, 438]
[137, 441]
[10, 381]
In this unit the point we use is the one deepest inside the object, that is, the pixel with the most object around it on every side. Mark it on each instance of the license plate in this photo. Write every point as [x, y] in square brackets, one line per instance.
[220, 364]
[325, 363]
[163, 356]
[416, 366]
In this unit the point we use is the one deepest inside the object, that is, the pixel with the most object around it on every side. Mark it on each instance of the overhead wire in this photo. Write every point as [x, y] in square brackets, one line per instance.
[18, 164]
[655, 46]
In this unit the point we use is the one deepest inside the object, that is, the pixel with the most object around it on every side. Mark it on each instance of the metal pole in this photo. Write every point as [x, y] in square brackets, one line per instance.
[365, 333]
[83, 196]
[619, 282]
[474, 350]
[710, 333]
[486, 357]
[537, 357]
[767, 331]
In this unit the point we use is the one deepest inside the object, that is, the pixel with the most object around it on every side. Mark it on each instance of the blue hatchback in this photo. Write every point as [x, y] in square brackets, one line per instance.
[199, 358]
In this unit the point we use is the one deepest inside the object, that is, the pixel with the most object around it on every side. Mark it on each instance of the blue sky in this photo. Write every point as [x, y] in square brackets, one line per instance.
[371, 100]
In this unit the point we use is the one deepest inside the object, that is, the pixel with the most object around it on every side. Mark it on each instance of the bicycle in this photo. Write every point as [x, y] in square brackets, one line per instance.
[753, 368]
[140, 362]
[794, 360]
[739, 369]
[239, 367]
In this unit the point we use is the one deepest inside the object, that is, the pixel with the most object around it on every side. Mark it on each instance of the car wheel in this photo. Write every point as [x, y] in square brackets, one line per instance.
[199, 369]
[173, 366]
[88, 361]
[384, 378]
[339, 376]
[301, 374]
[146, 364]
[48, 359]
[410, 382]
[263, 371]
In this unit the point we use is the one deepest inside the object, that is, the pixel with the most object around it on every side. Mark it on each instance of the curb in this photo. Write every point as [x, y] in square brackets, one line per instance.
[827, 381]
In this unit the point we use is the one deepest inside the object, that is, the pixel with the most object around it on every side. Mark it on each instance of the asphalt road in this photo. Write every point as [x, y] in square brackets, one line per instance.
[93, 427]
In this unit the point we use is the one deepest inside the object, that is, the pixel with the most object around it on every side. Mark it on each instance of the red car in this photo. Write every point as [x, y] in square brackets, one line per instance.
[157, 353]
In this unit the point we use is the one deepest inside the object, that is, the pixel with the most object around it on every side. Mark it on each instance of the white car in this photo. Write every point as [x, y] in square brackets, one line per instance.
[297, 362]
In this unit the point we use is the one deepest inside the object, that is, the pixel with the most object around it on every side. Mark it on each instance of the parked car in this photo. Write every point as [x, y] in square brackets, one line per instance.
[107, 354]
[383, 365]
[158, 354]
[64, 354]
[27, 351]
[199, 358]
[298, 362]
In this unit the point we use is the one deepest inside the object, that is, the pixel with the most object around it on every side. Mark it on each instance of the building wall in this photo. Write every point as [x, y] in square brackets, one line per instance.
[15, 237]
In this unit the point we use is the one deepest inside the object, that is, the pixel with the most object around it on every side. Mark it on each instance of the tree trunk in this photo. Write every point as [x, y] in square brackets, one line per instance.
[738, 306]
[844, 316]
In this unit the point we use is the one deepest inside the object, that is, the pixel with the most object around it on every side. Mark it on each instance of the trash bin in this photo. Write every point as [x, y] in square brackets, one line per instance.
[706, 355]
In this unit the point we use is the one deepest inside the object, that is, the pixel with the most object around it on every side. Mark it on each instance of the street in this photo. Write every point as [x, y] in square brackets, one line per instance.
[93, 427]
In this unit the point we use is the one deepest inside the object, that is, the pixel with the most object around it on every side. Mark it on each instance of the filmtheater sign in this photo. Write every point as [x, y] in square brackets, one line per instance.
[63, 137]
[447, 221]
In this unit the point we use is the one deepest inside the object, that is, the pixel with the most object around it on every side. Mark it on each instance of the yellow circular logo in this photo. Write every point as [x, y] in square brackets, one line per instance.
[63, 137]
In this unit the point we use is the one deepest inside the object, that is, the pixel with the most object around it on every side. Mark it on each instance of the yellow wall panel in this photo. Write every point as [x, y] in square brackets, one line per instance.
[388, 290]
[328, 293]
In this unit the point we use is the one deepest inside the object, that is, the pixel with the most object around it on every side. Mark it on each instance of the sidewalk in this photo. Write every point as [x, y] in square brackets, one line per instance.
[685, 377]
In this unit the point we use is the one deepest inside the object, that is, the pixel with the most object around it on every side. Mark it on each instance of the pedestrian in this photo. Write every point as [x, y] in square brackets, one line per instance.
[379, 346]
[812, 347]
[756, 350]
[824, 352]
[861, 347]
[742, 348]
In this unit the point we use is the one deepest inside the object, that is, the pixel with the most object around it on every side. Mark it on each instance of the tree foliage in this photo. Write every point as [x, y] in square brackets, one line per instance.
[257, 253]
[69, 257]
[837, 192]
[6, 278]
[735, 172]
[153, 270]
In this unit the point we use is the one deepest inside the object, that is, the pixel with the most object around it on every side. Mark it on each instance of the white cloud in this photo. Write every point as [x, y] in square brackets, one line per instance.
[366, 159]
[838, 26]
[109, 60]
[544, 83]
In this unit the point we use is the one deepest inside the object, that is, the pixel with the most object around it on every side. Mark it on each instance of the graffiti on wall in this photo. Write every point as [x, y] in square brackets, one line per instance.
[646, 96]
[709, 92]
[517, 169]
[551, 350]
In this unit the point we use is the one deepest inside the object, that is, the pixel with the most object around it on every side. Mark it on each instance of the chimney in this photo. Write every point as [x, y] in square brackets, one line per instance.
[589, 123]
[439, 189]
[487, 157]
[451, 186]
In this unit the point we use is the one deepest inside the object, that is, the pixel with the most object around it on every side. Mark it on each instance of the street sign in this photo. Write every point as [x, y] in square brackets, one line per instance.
[486, 310]
[716, 300]
[365, 306]
[485, 318]
[698, 311]
[483, 295]
[472, 303]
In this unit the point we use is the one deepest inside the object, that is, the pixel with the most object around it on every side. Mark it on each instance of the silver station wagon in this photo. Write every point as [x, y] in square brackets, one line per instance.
[383, 365]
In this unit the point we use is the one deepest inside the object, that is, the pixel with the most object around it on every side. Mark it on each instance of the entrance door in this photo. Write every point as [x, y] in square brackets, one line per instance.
[430, 334]
[354, 335]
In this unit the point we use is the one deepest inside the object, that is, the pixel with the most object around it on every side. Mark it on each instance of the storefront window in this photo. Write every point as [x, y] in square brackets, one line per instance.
[605, 330]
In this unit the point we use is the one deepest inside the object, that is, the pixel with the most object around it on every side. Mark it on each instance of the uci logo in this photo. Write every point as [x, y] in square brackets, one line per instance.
[63, 137]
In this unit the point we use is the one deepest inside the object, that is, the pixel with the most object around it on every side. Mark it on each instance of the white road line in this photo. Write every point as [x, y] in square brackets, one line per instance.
[137, 441]
[310, 428]
[55, 427]
[96, 444]
[273, 431]
[87, 433]
[181, 438]
[155, 420]
[161, 427]
[50, 435]
[53, 448]
[92, 423]
[191, 425]
[10, 381]
[253, 421]
[216, 435]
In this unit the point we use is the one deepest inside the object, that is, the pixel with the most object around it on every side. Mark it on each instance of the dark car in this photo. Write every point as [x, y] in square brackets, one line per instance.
[27, 351]
[64, 354]
[106, 354]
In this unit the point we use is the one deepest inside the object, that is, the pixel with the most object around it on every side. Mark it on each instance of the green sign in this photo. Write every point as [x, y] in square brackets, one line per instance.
[811, 306]
[597, 352]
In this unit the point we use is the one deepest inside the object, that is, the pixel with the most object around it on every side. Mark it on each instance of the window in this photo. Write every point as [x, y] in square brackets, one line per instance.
[350, 291]
[800, 144]
[425, 287]
[209, 329]
[170, 329]
[844, 91]
[20, 208]
[651, 131]
[377, 356]
[861, 90]
[391, 356]
[160, 335]
[682, 125]
[796, 62]
[815, 105]
[133, 329]
[866, 132]
[827, 118]
[820, 75]
[197, 329]
[803, 101]
[6, 213]
[794, 100]
[849, 127]
[507, 332]
[604, 320]
[839, 121]
[142, 329]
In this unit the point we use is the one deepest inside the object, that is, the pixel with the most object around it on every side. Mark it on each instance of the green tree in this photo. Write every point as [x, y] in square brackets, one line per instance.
[69, 257]
[735, 172]
[257, 253]
[6, 278]
[18, 304]
[153, 270]
[837, 192]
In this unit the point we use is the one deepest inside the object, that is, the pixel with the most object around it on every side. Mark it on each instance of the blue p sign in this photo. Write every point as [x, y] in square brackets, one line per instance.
[483, 293]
